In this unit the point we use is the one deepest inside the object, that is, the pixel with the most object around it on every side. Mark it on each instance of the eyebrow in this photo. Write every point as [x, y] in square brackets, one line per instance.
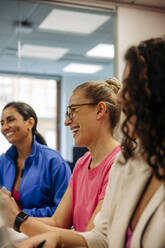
[8, 117]
[72, 105]
[80, 104]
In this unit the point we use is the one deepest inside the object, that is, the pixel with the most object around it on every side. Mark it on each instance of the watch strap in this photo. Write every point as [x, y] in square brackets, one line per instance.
[20, 218]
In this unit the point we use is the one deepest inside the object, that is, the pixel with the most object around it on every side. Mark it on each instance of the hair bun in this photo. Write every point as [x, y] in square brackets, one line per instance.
[114, 83]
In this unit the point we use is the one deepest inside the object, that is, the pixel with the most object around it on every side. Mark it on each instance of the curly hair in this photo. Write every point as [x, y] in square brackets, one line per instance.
[145, 86]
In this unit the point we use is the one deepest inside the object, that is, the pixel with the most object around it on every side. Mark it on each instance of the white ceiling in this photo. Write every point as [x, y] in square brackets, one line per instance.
[34, 12]
[13, 36]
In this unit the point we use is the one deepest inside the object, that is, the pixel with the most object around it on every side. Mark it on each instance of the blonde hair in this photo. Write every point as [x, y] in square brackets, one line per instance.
[105, 91]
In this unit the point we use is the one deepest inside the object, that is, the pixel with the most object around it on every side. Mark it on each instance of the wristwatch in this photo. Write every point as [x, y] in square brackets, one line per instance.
[20, 218]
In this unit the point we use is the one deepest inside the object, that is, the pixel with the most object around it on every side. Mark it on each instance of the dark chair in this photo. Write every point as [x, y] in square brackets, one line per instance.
[77, 153]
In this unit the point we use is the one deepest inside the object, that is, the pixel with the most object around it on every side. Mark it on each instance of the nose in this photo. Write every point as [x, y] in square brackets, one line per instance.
[67, 121]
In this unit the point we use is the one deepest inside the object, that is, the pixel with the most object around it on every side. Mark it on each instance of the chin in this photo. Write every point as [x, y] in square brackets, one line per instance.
[78, 143]
[10, 141]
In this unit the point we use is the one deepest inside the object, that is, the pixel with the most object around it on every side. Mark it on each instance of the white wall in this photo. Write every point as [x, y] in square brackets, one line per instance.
[134, 25]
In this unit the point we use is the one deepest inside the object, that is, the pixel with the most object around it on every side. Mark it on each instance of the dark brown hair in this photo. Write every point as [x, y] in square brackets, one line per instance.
[145, 86]
[27, 111]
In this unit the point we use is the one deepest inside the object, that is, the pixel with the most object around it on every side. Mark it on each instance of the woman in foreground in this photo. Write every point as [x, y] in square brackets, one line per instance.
[133, 211]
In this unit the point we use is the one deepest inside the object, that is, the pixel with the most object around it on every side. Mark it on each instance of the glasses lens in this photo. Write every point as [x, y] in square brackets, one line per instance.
[72, 108]
[68, 113]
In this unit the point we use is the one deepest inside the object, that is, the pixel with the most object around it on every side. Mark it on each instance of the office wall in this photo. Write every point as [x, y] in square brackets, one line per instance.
[134, 25]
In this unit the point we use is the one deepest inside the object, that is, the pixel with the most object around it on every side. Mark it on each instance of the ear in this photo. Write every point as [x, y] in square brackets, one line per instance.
[31, 122]
[101, 109]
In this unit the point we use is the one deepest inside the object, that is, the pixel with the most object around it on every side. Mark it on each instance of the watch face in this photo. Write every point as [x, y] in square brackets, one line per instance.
[22, 215]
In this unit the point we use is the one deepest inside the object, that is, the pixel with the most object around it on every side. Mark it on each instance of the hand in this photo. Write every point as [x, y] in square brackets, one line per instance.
[5, 191]
[51, 241]
[10, 204]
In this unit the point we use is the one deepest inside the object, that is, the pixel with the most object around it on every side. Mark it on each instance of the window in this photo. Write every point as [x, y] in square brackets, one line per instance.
[41, 94]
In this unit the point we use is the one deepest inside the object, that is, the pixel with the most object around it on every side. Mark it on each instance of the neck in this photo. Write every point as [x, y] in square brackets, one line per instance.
[24, 149]
[100, 150]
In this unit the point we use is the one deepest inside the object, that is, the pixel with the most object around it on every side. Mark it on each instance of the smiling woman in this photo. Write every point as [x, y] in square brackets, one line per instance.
[14, 127]
[92, 115]
[36, 175]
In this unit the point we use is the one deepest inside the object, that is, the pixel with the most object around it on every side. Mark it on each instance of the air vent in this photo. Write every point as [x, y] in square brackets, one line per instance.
[23, 27]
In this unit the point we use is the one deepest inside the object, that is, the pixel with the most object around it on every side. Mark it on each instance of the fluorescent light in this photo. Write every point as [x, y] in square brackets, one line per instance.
[82, 68]
[102, 50]
[73, 21]
[42, 52]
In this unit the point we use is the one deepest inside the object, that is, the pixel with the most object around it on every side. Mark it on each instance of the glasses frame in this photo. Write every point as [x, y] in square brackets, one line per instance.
[73, 107]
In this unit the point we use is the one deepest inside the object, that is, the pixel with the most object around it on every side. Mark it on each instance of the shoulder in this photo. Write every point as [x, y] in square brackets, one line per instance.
[122, 171]
[51, 161]
[51, 157]
[3, 157]
[109, 160]
[120, 163]
[49, 152]
[6, 160]
[84, 160]
[8, 154]
[3, 162]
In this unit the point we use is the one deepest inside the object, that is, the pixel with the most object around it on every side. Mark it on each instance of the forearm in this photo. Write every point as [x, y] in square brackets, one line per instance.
[60, 238]
[68, 238]
[64, 237]
[46, 220]
[33, 226]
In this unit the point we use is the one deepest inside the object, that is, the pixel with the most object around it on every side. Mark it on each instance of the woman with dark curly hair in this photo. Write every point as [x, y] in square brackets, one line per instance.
[133, 211]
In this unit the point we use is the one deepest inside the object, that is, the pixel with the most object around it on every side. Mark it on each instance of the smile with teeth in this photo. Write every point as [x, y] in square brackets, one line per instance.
[9, 134]
[75, 130]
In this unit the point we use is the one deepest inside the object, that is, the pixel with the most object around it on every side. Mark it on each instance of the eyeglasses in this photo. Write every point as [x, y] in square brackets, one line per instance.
[71, 108]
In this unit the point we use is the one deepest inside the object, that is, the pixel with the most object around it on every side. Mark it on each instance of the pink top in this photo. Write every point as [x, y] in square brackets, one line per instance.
[128, 237]
[16, 198]
[88, 187]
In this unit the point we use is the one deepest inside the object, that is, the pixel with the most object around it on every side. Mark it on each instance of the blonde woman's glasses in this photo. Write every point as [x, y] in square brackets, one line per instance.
[71, 108]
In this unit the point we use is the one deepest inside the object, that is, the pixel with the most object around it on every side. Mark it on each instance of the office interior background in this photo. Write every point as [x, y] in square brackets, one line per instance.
[47, 48]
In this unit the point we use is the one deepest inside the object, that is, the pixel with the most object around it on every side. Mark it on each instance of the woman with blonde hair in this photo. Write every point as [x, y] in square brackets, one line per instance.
[92, 115]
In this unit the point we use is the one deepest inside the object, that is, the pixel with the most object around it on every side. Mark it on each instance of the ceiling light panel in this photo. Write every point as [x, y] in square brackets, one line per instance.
[42, 52]
[102, 50]
[82, 68]
[72, 21]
